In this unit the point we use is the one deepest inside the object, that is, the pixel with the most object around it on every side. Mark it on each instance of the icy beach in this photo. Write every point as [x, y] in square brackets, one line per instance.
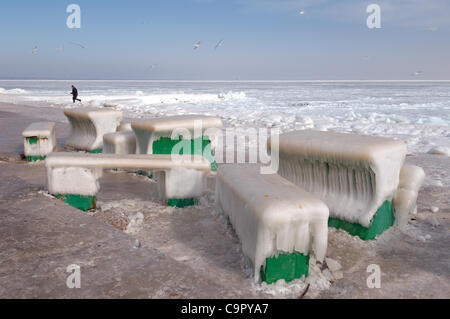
[417, 112]
[194, 251]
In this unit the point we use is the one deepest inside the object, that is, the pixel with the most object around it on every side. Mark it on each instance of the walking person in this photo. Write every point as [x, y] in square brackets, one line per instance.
[75, 94]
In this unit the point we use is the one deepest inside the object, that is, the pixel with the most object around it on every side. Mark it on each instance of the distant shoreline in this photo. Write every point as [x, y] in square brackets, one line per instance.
[222, 81]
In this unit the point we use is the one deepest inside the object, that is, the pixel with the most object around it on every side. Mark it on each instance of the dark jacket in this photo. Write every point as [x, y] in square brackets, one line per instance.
[74, 92]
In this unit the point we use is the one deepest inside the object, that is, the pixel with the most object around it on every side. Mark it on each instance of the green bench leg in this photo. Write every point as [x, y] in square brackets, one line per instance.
[97, 151]
[384, 218]
[80, 202]
[35, 158]
[180, 203]
[285, 266]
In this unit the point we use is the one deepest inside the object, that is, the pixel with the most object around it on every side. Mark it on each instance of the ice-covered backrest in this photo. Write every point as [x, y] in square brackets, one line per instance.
[270, 214]
[353, 174]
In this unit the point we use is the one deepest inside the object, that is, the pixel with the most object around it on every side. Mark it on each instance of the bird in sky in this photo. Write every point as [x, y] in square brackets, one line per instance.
[34, 50]
[416, 73]
[77, 44]
[302, 12]
[218, 45]
[197, 45]
[59, 49]
[432, 28]
[151, 67]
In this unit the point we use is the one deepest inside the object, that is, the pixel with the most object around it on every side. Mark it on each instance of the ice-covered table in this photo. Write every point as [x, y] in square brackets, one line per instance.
[89, 125]
[355, 175]
[189, 134]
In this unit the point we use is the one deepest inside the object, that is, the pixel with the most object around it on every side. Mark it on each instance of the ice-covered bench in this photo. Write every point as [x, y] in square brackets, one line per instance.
[89, 125]
[190, 134]
[39, 140]
[411, 179]
[74, 176]
[276, 221]
[355, 175]
[121, 143]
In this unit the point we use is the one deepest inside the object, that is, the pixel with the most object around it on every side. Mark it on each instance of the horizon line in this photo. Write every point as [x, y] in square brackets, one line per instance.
[265, 80]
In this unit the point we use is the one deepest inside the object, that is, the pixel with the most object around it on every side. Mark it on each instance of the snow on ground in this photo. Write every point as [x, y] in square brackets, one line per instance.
[414, 111]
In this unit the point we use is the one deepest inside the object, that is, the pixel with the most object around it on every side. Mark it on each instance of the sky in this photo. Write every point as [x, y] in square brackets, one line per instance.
[262, 40]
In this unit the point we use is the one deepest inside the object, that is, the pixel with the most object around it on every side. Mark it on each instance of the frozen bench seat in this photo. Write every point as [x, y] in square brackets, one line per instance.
[276, 221]
[74, 176]
[89, 125]
[189, 134]
[411, 180]
[355, 175]
[120, 143]
[39, 140]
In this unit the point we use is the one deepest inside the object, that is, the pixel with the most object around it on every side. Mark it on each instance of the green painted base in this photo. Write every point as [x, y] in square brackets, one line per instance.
[383, 219]
[97, 151]
[285, 266]
[32, 140]
[181, 203]
[80, 202]
[36, 158]
[165, 145]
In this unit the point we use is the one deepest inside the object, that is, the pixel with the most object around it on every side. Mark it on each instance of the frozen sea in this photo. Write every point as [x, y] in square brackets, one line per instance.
[417, 112]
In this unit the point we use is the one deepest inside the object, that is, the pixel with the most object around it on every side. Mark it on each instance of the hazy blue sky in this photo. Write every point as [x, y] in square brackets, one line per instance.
[263, 39]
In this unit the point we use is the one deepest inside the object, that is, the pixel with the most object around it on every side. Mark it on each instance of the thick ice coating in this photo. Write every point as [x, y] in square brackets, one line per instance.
[411, 179]
[122, 142]
[78, 173]
[89, 125]
[150, 130]
[46, 139]
[270, 214]
[353, 174]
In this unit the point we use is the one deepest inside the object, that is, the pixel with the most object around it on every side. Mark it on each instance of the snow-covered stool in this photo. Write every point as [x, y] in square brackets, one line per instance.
[276, 221]
[74, 177]
[121, 143]
[39, 140]
[124, 127]
[355, 175]
[89, 125]
[190, 134]
[411, 180]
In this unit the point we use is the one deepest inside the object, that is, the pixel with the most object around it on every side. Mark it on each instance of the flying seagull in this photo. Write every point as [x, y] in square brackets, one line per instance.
[197, 45]
[35, 50]
[302, 12]
[77, 44]
[417, 73]
[218, 44]
[151, 67]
